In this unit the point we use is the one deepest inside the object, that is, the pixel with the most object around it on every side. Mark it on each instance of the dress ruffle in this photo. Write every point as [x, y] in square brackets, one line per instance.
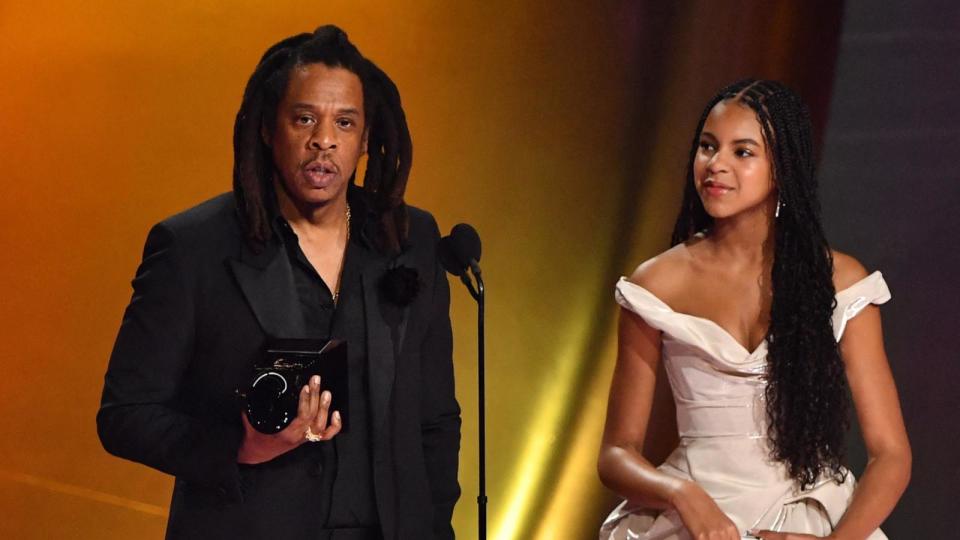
[718, 389]
[852, 300]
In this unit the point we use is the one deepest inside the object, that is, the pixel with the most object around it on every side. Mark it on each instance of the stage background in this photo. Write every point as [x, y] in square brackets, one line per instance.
[890, 187]
[559, 129]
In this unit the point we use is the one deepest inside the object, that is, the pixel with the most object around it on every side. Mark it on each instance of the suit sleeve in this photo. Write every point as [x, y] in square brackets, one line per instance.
[138, 417]
[440, 412]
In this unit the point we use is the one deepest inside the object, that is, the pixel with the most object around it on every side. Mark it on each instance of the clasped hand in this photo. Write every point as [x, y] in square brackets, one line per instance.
[312, 413]
[701, 515]
[706, 521]
[771, 535]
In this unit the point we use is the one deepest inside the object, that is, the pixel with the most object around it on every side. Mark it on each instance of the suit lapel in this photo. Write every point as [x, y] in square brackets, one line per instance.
[266, 280]
[386, 325]
[380, 350]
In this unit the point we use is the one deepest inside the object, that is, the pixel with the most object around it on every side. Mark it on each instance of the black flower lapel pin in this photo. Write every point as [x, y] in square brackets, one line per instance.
[400, 284]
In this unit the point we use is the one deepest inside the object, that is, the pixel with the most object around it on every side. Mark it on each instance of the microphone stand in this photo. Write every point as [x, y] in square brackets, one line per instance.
[478, 295]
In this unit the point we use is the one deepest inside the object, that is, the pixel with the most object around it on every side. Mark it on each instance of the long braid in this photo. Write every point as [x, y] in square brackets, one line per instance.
[389, 158]
[252, 169]
[806, 393]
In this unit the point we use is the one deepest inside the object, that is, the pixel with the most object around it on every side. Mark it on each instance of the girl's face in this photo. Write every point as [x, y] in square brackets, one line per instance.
[732, 169]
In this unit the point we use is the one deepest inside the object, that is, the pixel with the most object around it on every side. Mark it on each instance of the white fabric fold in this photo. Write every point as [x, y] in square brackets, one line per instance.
[851, 301]
[718, 388]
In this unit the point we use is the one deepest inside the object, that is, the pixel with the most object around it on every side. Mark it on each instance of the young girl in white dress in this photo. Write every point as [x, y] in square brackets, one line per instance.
[763, 332]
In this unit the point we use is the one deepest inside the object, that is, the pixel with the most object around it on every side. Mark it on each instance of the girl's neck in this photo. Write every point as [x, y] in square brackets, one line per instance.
[746, 237]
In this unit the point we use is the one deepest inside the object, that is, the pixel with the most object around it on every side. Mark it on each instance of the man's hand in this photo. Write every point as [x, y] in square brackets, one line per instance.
[312, 412]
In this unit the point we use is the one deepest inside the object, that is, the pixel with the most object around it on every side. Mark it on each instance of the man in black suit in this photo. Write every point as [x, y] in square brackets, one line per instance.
[297, 250]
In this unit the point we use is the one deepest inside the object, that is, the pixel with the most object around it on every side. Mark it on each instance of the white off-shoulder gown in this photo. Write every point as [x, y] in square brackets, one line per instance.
[718, 387]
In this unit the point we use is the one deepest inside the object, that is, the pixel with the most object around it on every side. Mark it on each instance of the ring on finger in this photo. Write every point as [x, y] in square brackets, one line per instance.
[311, 436]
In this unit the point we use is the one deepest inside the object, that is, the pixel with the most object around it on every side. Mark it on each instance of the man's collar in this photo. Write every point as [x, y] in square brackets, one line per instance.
[361, 217]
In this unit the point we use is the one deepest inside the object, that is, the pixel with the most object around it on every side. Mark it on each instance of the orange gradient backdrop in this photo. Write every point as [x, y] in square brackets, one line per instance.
[557, 128]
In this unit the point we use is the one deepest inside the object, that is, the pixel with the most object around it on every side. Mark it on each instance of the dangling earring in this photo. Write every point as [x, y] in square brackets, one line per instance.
[776, 213]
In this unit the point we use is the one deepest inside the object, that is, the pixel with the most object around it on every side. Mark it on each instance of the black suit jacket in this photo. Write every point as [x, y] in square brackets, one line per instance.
[202, 307]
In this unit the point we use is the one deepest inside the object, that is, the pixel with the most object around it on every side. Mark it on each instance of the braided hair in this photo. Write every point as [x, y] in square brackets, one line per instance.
[807, 401]
[389, 148]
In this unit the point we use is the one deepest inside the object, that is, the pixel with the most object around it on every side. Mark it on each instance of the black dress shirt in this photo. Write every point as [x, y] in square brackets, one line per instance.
[349, 455]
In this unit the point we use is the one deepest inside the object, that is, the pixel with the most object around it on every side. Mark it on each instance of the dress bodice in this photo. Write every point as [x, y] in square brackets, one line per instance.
[718, 385]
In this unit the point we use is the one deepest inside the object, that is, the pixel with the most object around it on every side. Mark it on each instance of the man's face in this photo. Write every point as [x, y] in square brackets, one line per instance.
[319, 136]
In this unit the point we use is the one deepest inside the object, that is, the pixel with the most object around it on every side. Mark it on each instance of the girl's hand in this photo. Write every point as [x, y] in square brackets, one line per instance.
[770, 535]
[701, 515]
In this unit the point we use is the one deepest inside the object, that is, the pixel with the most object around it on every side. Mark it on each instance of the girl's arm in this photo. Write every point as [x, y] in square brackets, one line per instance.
[878, 410]
[622, 466]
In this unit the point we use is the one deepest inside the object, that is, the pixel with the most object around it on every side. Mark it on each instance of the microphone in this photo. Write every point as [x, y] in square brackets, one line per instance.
[460, 250]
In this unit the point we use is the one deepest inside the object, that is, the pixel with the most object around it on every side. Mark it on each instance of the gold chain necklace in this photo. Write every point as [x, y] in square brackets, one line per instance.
[343, 260]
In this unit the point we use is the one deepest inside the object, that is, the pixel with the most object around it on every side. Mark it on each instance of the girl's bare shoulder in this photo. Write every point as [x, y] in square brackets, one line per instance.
[846, 270]
[664, 274]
